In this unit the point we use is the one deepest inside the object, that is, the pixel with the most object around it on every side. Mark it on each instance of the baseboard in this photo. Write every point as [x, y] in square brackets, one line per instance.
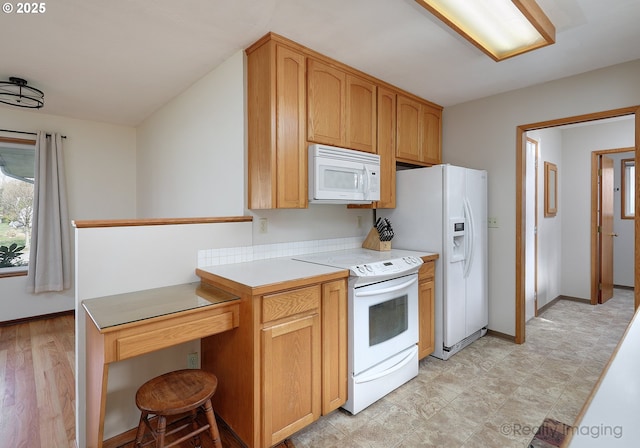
[561, 297]
[23, 320]
[504, 336]
[627, 288]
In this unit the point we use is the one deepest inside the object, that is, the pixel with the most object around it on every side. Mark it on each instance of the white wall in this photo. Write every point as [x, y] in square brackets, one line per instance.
[191, 151]
[577, 145]
[156, 256]
[191, 162]
[100, 168]
[550, 258]
[481, 134]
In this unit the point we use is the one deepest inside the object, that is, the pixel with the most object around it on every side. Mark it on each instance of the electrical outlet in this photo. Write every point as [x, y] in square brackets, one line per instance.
[493, 222]
[192, 360]
[263, 225]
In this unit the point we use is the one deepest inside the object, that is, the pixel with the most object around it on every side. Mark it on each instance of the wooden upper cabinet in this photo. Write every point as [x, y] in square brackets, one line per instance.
[276, 97]
[418, 132]
[341, 108]
[326, 100]
[408, 130]
[386, 147]
[361, 114]
[290, 136]
[431, 134]
[296, 96]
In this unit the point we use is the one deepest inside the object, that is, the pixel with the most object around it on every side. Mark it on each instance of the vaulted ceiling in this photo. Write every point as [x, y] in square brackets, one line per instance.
[118, 61]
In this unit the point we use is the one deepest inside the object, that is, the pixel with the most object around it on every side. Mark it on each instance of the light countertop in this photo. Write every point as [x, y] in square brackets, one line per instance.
[255, 274]
[263, 276]
[136, 306]
[611, 415]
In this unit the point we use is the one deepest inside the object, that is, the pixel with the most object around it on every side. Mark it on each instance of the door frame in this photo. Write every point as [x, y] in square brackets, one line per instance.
[520, 202]
[536, 144]
[595, 194]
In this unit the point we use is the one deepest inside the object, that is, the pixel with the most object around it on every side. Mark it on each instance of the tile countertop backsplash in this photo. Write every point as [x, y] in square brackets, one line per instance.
[228, 255]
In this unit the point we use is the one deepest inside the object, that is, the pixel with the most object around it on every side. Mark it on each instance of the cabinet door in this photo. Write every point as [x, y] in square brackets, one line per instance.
[291, 154]
[334, 345]
[291, 369]
[431, 130]
[361, 114]
[387, 147]
[276, 122]
[426, 313]
[326, 100]
[408, 133]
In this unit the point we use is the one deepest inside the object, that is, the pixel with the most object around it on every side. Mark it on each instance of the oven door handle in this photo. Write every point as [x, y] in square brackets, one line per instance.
[374, 376]
[376, 292]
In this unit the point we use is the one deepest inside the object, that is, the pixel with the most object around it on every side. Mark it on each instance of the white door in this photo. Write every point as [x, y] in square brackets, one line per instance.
[531, 224]
[465, 254]
[475, 270]
[455, 241]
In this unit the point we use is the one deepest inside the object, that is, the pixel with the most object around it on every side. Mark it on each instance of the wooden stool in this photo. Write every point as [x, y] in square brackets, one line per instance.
[175, 393]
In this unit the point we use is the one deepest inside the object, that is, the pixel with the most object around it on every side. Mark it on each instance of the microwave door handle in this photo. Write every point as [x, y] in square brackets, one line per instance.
[365, 182]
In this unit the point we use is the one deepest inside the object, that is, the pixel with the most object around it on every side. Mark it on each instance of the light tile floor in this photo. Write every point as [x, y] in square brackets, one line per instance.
[493, 393]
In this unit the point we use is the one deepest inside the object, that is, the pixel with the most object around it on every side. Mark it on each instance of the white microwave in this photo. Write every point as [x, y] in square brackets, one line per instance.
[343, 176]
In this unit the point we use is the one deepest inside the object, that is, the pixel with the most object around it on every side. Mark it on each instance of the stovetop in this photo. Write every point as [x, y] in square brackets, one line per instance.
[368, 263]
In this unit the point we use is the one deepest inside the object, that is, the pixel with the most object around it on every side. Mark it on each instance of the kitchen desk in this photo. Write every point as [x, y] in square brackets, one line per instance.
[131, 324]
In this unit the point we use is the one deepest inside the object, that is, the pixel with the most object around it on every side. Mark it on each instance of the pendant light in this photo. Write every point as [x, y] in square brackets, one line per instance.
[16, 92]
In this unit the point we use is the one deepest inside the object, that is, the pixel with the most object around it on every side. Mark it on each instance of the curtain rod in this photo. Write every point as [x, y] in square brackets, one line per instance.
[28, 133]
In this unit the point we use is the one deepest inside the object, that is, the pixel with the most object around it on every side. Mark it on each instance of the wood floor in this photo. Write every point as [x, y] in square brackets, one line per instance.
[37, 384]
[37, 387]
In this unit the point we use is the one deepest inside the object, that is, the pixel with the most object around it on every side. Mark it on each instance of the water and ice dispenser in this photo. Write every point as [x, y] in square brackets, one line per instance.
[457, 242]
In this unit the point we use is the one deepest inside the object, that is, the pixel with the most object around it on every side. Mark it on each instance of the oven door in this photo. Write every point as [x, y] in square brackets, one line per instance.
[384, 320]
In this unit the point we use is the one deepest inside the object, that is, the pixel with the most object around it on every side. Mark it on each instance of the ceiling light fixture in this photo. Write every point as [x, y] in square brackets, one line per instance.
[16, 92]
[500, 28]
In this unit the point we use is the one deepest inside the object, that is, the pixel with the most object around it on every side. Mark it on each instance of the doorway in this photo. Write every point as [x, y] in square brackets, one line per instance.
[607, 207]
[521, 202]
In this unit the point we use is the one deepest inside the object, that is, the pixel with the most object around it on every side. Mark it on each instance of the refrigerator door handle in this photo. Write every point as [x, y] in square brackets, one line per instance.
[468, 260]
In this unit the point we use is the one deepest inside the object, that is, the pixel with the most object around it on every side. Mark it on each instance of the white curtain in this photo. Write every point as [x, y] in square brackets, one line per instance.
[50, 253]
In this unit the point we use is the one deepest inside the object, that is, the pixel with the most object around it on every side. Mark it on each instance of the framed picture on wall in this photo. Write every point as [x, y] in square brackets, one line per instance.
[550, 189]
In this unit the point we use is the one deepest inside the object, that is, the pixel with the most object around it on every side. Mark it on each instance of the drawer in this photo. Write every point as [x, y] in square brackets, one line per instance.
[288, 303]
[147, 340]
[427, 271]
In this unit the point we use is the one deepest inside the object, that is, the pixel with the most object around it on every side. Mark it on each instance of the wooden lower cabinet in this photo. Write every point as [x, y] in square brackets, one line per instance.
[286, 363]
[334, 345]
[426, 311]
[291, 357]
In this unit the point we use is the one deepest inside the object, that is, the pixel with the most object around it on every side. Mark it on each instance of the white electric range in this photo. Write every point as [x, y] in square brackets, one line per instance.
[382, 319]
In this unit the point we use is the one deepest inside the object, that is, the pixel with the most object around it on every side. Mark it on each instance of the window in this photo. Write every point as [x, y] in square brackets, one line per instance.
[628, 170]
[16, 203]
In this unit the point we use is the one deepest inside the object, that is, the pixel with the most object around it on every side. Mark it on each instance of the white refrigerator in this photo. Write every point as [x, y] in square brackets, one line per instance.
[443, 209]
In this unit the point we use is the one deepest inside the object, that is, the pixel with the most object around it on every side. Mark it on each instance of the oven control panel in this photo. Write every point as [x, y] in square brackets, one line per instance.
[394, 266]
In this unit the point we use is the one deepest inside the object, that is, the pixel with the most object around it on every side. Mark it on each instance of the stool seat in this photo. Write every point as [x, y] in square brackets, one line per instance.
[178, 392]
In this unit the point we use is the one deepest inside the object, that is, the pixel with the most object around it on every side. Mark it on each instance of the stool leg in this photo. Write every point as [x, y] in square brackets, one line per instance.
[211, 418]
[161, 430]
[141, 428]
[194, 427]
